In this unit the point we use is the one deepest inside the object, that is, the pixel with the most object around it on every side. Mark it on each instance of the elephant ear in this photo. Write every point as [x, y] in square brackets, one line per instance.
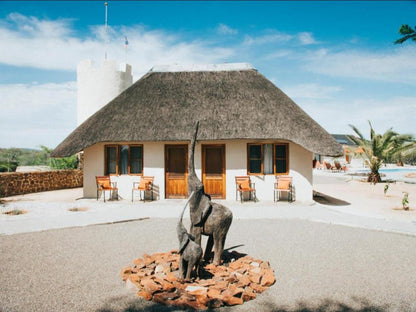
[203, 208]
[184, 243]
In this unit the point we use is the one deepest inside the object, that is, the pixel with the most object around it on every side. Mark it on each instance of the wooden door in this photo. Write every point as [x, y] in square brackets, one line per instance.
[213, 170]
[176, 171]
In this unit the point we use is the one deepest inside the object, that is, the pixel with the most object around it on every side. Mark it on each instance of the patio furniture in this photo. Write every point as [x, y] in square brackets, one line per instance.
[243, 186]
[327, 165]
[284, 184]
[318, 165]
[104, 184]
[145, 185]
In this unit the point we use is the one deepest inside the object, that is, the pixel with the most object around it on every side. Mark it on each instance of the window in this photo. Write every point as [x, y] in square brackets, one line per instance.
[111, 153]
[136, 159]
[267, 158]
[123, 159]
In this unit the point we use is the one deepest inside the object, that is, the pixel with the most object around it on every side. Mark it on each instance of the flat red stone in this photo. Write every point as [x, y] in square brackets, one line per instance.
[154, 277]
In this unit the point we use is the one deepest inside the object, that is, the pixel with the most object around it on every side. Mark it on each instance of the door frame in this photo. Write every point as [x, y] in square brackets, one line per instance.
[167, 146]
[224, 176]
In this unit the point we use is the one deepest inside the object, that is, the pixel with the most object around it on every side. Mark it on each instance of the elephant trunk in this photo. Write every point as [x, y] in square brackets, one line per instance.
[191, 163]
[180, 228]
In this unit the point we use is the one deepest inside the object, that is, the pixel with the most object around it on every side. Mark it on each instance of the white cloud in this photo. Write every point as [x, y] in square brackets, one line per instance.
[30, 26]
[226, 30]
[37, 114]
[278, 54]
[310, 91]
[267, 38]
[397, 65]
[50, 45]
[306, 38]
[336, 114]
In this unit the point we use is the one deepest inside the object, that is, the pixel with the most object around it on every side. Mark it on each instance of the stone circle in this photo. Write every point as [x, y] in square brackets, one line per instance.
[240, 278]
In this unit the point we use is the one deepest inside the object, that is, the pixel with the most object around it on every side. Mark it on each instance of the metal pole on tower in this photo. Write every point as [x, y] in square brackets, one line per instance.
[106, 34]
[126, 43]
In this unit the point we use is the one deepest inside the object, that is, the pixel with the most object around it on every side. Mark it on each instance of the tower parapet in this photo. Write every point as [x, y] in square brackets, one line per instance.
[99, 85]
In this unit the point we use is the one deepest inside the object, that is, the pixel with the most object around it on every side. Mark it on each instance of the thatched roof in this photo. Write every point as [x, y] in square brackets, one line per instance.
[230, 104]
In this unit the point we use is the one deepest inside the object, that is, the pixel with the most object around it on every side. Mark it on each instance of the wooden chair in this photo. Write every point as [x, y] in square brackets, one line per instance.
[244, 185]
[338, 167]
[318, 165]
[327, 166]
[284, 184]
[145, 184]
[104, 184]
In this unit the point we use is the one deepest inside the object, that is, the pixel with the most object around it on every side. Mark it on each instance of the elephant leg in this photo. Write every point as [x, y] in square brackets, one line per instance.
[208, 248]
[189, 271]
[198, 269]
[218, 249]
[196, 233]
[182, 268]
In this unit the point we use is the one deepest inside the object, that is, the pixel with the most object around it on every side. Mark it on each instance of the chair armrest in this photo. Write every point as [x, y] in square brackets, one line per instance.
[114, 184]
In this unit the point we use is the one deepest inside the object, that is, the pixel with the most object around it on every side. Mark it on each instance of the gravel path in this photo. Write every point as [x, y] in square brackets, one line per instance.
[319, 267]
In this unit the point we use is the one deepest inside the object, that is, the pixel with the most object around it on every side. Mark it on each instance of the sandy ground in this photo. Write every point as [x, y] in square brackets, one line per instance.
[319, 264]
[342, 200]
[319, 267]
[364, 199]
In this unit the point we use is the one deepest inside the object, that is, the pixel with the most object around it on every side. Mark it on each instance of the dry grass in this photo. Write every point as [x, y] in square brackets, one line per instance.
[168, 105]
[15, 212]
[77, 209]
[401, 208]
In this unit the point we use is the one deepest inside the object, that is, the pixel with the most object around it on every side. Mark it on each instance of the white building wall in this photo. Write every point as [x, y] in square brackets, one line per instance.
[300, 168]
[93, 166]
[99, 85]
[300, 163]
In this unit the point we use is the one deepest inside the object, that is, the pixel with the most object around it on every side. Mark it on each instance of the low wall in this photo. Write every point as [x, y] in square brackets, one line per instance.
[16, 183]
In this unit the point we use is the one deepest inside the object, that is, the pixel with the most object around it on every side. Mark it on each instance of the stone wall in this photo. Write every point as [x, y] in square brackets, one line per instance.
[16, 183]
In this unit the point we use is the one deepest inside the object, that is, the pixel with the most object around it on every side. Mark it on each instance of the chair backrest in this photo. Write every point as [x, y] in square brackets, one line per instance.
[103, 182]
[284, 182]
[146, 181]
[327, 165]
[243, 182]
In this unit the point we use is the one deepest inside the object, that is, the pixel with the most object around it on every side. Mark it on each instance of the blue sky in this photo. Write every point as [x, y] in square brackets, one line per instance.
[336, 60]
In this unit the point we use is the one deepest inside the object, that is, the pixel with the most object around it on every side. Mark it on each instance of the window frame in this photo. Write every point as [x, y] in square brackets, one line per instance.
[118, 146]
[142, 159]
[262, 158]
[106, 159]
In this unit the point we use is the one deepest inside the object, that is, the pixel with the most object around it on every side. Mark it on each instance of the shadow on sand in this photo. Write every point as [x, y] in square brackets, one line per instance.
[328, 305]
[328, 200]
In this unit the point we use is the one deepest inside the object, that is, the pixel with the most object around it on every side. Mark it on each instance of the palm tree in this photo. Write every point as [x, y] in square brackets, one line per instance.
[410, 152]
[381, 148]
[407, 32]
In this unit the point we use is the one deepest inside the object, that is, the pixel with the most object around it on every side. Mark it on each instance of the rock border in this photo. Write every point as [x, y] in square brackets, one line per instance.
[239, 279]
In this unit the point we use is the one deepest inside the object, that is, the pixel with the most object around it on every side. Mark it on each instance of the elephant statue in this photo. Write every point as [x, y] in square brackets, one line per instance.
[189, 251]
[207, 218]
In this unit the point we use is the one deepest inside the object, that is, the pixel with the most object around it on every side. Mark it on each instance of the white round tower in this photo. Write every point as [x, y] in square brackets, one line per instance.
[99, 85]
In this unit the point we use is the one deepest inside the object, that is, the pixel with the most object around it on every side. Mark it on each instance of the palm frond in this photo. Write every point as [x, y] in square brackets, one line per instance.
[357, 132]
[372, 132]
[407, 32]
